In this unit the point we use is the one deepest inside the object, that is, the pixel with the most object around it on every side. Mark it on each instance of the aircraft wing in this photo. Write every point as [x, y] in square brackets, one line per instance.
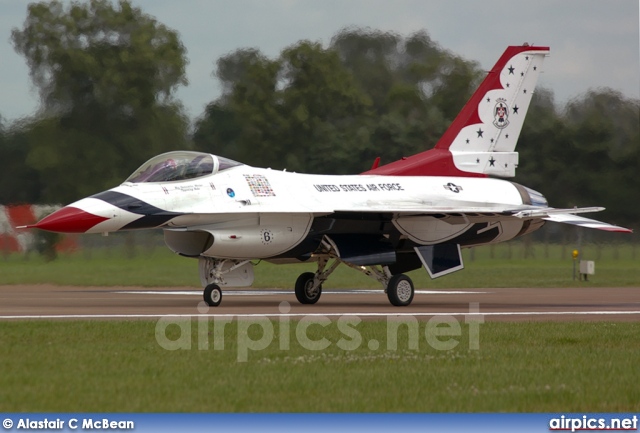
[457, 215]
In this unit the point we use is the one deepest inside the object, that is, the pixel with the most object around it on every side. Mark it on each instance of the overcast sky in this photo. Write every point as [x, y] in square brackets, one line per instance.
[594, 43]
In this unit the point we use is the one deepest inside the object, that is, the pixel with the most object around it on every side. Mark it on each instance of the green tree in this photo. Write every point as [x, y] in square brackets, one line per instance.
[605, 131]
[328, 115]
[545, 151]
[586, 155]
[19, 183]
[372, 57]
[249, 113]
[335, 110]
[417, 88]
[106, 75]
[302, 111]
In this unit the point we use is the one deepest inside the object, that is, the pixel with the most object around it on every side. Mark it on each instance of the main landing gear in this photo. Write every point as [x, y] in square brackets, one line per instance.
[399, 288]
[307, 290]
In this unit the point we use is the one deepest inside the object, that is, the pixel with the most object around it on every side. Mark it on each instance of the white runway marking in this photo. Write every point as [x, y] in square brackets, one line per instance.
[399, 314]
[287, 292]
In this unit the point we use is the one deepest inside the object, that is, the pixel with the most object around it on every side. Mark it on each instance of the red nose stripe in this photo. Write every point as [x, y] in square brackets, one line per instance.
[69, 220]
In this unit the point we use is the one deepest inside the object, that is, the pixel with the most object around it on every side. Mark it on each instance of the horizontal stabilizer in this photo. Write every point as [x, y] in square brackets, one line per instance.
[567, 218]
[545, 212]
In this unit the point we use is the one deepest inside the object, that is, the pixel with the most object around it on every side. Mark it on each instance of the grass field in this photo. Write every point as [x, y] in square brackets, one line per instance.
[120, 366]
[95, 366]
[501, 266]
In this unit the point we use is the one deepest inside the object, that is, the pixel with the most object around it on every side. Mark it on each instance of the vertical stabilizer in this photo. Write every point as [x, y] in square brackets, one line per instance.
[482, 138]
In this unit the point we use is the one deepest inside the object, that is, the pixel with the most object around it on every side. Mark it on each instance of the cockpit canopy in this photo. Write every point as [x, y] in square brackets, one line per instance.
[182, 165]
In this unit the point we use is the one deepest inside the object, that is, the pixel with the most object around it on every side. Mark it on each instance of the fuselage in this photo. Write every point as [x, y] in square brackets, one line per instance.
[241, 211]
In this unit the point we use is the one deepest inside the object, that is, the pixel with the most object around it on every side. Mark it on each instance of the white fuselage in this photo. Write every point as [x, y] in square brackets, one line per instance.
[259, 213]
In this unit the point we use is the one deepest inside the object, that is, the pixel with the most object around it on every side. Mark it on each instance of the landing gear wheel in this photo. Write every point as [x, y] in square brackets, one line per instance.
[400, 290]
[212, 295]
[305, 292]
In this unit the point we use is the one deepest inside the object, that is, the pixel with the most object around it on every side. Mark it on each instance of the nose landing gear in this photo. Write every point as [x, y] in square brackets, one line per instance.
[212, 295]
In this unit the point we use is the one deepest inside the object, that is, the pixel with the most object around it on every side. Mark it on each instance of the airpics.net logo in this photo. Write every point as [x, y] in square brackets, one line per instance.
[255, 333]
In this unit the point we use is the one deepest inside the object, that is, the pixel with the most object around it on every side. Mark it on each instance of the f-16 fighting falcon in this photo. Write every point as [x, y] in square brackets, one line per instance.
[419, 211]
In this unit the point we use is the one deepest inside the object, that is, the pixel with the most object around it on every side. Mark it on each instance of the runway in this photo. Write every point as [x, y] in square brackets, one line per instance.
[25, 302]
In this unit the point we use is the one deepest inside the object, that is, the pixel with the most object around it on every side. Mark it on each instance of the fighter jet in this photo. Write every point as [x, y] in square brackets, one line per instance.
[416, 212]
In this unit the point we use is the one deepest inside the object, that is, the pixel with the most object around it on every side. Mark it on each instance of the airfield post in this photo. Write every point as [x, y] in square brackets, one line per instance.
[575, 254]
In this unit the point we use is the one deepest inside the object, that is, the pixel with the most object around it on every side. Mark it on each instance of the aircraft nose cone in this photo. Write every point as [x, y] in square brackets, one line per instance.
[69, 220]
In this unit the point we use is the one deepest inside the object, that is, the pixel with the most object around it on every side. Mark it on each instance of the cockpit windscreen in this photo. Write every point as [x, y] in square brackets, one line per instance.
[176, 166]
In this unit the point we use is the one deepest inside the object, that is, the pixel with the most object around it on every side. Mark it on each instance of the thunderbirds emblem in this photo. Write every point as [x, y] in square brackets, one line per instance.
[501, 114]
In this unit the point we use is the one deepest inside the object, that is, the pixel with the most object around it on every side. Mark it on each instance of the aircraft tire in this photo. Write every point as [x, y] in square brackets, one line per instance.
[304, 292]
[400, 290]
[212, 295]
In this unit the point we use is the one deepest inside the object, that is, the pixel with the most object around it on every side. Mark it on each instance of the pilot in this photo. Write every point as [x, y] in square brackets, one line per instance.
[193, 170]
[163, 171]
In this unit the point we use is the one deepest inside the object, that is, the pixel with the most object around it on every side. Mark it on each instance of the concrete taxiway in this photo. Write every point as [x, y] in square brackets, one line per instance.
[32, 302]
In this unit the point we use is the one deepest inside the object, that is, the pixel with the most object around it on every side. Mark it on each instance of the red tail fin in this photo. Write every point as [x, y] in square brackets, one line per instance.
[482, 138]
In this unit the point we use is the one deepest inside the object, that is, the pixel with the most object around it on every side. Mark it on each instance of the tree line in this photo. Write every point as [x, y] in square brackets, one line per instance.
[107, 74]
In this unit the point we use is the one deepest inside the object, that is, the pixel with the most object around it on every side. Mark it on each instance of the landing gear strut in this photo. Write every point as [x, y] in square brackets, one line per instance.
[215, 273]
[309, 285]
